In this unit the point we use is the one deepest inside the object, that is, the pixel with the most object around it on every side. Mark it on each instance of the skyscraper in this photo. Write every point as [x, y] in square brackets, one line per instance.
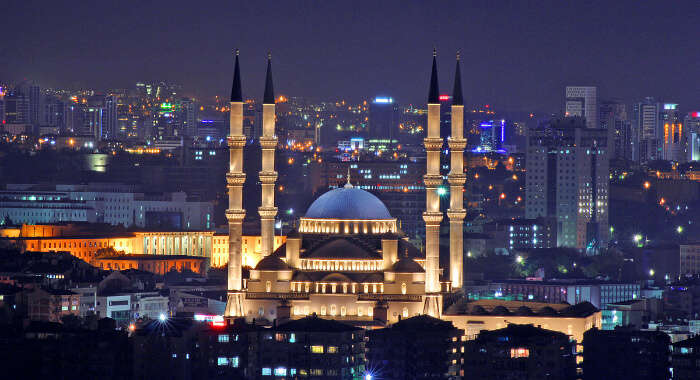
[110, 109]
[645, 128]
[16, 107]
[692, 131]
[613, 118]
[383, 118]
[581, 101]
[567, 179]
[671, 133]
[35, 101]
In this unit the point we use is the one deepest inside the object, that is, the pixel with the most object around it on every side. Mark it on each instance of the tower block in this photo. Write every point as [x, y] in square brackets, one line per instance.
[432, 215]
[235, 212]
[268, 175]
[457, 178]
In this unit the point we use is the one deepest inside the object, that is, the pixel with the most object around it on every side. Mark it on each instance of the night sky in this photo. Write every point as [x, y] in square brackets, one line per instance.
[516, 55]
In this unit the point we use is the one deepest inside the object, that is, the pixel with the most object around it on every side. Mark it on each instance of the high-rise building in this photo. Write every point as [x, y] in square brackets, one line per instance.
[671, 133]
[54, 113]
[645, 128]
[581, 101]
[613, 118]
[35, 100]
[16, 107]
[692, 135]
[189, 120]
[110, 130]
[567, 179]
[384, 118]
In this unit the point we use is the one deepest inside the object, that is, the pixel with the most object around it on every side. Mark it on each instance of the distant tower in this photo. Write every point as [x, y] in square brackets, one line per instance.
[268, 175]
[456, 178]
[235, 212]
[432, 215]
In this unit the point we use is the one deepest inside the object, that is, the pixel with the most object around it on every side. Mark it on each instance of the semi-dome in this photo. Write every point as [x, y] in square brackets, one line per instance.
[271, 263]
[348, 202]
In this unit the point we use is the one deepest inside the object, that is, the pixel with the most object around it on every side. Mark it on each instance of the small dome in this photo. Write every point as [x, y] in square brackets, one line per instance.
[272, 263]
[348, 203]
[406, 265]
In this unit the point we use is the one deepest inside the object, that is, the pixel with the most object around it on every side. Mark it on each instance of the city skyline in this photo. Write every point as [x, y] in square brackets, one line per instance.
[626, 63]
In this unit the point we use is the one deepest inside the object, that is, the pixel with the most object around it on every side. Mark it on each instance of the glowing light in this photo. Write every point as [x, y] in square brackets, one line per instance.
[162, 317]
[662, 201]
[637, 238]
[647, 184]
[651, 272]
[132, 327]
[519, 259]
[441, 191]
[503, 195]
[679, 229]
[383, 100]
[444, 97]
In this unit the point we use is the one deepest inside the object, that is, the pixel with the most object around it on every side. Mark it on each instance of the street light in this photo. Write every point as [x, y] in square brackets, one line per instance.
[651, 272]
[679, 229]
[162, 317]
[441, 191]
[519, 259]
[637, 238]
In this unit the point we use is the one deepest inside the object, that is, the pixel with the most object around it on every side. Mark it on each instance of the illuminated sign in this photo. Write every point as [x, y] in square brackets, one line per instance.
[444, 97]
[670, 106]
[695, 114]
[383, 100]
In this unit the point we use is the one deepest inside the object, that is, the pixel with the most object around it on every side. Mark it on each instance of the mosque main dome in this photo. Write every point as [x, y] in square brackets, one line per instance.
[348, 203]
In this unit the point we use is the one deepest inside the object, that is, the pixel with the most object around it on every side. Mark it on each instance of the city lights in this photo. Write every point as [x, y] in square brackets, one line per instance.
[441, 191]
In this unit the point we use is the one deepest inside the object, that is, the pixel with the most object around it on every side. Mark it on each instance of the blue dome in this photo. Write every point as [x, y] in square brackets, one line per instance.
[348, 203]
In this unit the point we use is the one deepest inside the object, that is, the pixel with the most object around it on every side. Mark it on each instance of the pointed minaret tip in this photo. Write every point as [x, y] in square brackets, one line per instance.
[457, 97]
[433, 92]
[269, 97]
[236, 92]
[348, 185]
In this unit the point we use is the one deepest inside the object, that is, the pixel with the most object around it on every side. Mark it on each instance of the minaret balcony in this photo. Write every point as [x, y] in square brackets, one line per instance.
[267, 212]
[268, 177]
[235, 215]
[432, 180]
[456, 178]
[235, 179]
[456, 144]
[268, 142]
[456, 214]
[432, 143]
[236, 141]
[432, 218]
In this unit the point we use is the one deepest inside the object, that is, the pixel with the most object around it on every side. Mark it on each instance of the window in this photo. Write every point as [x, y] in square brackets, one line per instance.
[519, 353]
[403, 288]
[223, 338]
[316, 372]
[280, 371]
[267, 371]
[64, 308]
[292, 338]
[332, 349]
[316, 349]
[222, 361]
[268, 286]
[323, 310]
[405, 312]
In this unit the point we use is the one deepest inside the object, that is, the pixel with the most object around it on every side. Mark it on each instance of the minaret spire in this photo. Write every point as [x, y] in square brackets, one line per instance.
[235, 212]
[432, 215]
[269, 97]
[434, 91]
[348, 184]
[457, 178]
[236, 93]
[457, 98]
[268, 175]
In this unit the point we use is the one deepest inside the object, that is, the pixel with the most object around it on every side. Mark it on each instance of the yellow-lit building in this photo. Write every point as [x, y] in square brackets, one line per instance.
[250, 246]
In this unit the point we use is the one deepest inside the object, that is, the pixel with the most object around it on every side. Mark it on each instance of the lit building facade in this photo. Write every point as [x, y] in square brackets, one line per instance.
[582, 101]
[347, 259]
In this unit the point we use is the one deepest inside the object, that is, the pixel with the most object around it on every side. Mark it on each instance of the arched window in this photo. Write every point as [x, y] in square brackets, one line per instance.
[343, 311]
[323, 310]
[403, 288]
[268, 286]
[405, 312]
[333, 310]
[359, 312]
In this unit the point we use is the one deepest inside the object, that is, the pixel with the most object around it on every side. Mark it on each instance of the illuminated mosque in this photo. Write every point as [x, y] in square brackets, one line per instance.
[347, 259]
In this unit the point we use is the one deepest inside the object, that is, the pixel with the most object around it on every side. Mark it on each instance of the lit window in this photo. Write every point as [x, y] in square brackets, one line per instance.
[292, 338]
[317, 349]
[267, 371]
[332, 349]
[222, 361]
[519, 352]
[223, 338]
[64, 308]
[280, 371]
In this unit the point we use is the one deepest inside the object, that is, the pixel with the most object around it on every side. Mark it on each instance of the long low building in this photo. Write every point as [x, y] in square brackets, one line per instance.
[158, 264]
[85, 240]
[476, 316]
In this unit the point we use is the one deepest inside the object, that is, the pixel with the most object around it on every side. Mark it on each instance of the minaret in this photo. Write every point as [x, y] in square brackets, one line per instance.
[432, 215]
[268, 176]
[235, 212]
[456, 178]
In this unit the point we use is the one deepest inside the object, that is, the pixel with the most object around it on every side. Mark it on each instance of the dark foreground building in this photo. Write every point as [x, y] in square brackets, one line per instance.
[519, 352]
[310, 347]
[625, 354]
[420, 347]
[50, 350]
[685, 359]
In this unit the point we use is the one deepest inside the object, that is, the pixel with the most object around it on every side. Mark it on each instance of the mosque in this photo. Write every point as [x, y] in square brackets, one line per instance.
[347, 259]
